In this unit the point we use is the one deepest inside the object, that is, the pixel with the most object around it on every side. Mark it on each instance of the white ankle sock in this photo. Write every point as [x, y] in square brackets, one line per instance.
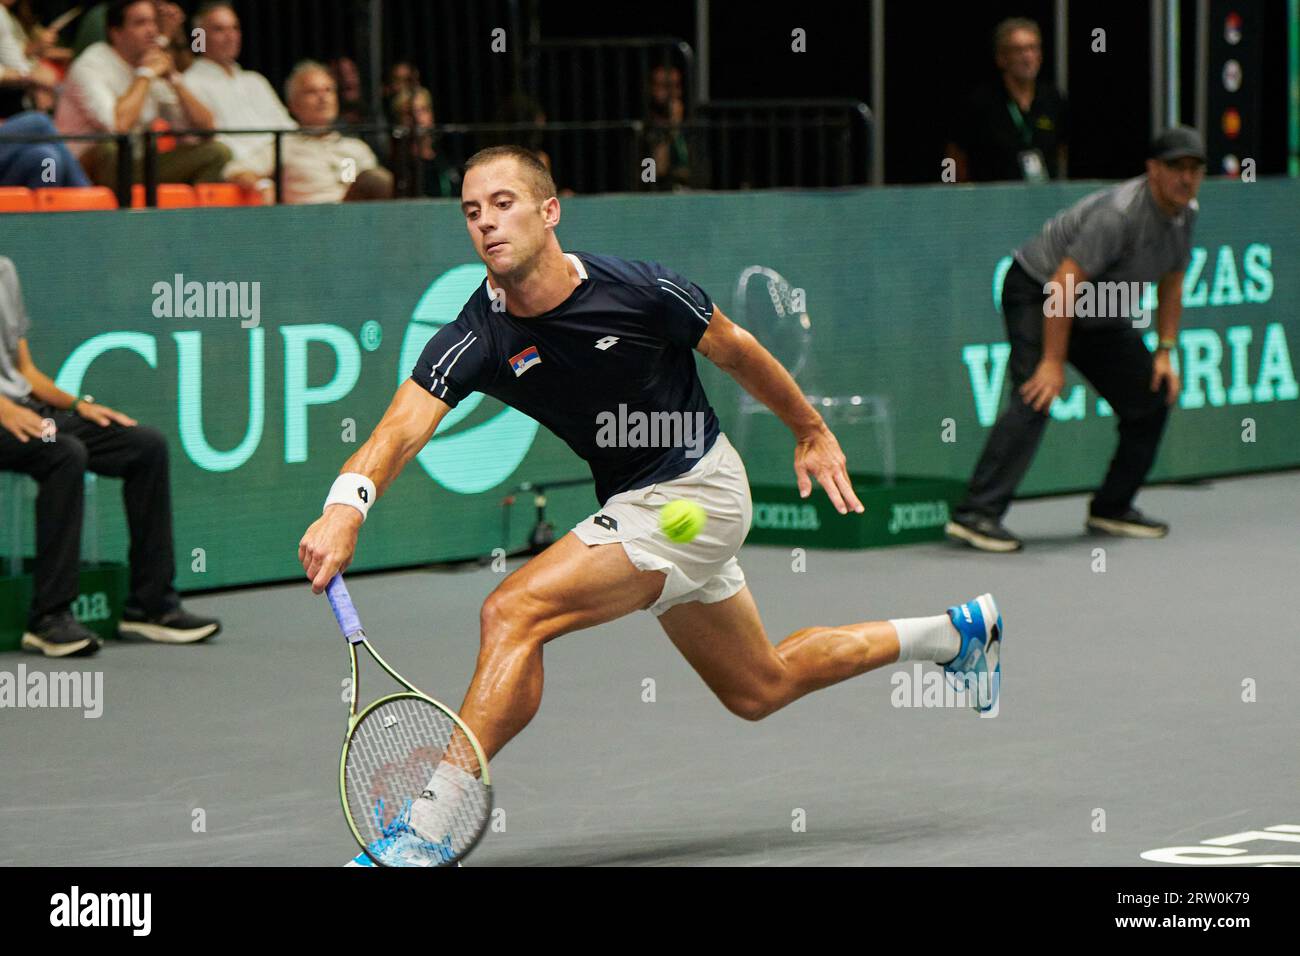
[432, 818]
[927, 639]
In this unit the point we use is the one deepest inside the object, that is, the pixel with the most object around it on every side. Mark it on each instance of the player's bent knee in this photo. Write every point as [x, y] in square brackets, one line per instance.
[506, 620]
[492, 616]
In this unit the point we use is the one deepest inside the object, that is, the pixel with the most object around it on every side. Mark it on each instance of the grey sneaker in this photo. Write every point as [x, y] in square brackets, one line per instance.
[60, 635]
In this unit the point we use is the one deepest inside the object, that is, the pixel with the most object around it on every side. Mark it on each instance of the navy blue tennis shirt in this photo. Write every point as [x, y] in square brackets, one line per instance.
[600, 370]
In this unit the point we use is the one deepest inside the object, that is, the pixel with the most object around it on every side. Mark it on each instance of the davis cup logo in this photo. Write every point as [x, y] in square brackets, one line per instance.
[485, 454]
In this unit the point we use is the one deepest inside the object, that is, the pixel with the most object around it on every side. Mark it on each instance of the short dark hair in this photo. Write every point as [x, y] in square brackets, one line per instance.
[534, 170]
[115, 18]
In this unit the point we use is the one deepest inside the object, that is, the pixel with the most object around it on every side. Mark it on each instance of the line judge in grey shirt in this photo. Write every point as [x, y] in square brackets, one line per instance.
[1135, 233]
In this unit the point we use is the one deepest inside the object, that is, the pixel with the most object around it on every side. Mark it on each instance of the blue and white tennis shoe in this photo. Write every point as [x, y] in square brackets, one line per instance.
[977, 668]
[401, 845]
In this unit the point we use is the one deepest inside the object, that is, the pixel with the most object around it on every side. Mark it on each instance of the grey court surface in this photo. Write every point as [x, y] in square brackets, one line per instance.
[1122, 692]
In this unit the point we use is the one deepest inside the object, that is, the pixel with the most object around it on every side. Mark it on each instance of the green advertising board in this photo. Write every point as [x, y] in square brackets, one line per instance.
[101, 589]
[266, 343]
[906, 510]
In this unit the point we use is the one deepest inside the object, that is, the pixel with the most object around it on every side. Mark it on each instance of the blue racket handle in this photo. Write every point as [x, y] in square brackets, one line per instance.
[344, 612]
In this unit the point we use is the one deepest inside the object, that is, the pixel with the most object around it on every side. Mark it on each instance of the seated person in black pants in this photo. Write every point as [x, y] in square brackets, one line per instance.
[85, 435]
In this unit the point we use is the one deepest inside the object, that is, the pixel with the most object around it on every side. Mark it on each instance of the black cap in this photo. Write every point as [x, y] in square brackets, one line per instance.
[1176, 143]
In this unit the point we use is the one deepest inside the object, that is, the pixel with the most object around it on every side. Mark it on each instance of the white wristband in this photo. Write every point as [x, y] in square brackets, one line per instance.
[352, 489]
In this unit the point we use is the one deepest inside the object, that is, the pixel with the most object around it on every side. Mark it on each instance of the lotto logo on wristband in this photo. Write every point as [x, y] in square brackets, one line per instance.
[353, 490]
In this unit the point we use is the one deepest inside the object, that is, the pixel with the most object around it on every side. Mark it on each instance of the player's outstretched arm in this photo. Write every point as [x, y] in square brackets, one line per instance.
[817, 452]
[412, 418]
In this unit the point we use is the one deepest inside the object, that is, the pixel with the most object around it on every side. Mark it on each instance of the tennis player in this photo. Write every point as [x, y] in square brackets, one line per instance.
[573, 340]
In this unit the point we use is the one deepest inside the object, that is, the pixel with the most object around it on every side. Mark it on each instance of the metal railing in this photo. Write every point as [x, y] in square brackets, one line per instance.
[588, 157]
[125, 157]
[727, 145]
[456, 140]
[731, 145]
[607, 78]
[604, 80]
[795, 142]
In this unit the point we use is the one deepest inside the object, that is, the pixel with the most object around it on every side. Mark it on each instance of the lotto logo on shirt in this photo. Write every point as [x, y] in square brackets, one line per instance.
[525, 360]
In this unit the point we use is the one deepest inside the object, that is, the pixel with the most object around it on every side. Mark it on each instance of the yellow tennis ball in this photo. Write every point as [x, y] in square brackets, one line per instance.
[682, 520]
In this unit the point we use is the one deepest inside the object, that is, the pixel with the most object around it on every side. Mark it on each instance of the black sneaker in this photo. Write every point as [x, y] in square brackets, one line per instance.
[172, 627]
[1131, 524]
[986, 534]
[60, 635]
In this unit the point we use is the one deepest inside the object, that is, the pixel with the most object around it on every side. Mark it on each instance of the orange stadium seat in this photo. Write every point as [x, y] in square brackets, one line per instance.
[170, 196]
[17, 199]
[226, 194]
[75, 199]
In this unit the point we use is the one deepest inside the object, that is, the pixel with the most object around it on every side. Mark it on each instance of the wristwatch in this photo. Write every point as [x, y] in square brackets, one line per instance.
[87, 399]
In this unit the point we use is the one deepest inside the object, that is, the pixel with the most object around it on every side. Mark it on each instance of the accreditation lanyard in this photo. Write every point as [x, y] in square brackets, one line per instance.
[1025, 132]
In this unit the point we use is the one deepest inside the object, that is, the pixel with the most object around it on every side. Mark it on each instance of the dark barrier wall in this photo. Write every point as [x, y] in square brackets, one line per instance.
[304, 321]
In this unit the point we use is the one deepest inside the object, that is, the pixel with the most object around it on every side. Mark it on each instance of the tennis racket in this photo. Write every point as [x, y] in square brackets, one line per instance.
[774, 310]
[413, 779]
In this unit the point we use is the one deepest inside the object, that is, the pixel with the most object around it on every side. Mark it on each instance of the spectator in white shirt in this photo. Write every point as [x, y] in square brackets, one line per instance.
[126, 85]
[238, 98]
[321, 166]
[22, 74]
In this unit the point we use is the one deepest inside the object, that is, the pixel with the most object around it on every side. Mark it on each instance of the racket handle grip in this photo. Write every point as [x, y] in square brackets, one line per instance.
[344, 612]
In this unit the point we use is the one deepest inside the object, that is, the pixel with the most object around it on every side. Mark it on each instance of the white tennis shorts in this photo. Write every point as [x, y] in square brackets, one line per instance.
[704, 569]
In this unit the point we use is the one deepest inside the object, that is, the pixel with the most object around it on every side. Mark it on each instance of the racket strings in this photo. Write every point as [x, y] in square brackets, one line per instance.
[392, 755]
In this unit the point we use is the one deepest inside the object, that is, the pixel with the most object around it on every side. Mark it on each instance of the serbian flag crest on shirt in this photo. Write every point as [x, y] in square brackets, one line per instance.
[525, 360]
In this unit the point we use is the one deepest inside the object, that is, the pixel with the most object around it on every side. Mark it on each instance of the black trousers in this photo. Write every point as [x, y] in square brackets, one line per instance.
[136, 454]
[1117, 364]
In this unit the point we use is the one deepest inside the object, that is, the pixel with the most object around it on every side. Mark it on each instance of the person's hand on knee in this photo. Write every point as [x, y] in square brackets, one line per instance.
[102, 415]
[20, 421]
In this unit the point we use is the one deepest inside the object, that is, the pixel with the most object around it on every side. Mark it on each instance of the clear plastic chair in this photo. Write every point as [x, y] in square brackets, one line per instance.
[775, 312]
